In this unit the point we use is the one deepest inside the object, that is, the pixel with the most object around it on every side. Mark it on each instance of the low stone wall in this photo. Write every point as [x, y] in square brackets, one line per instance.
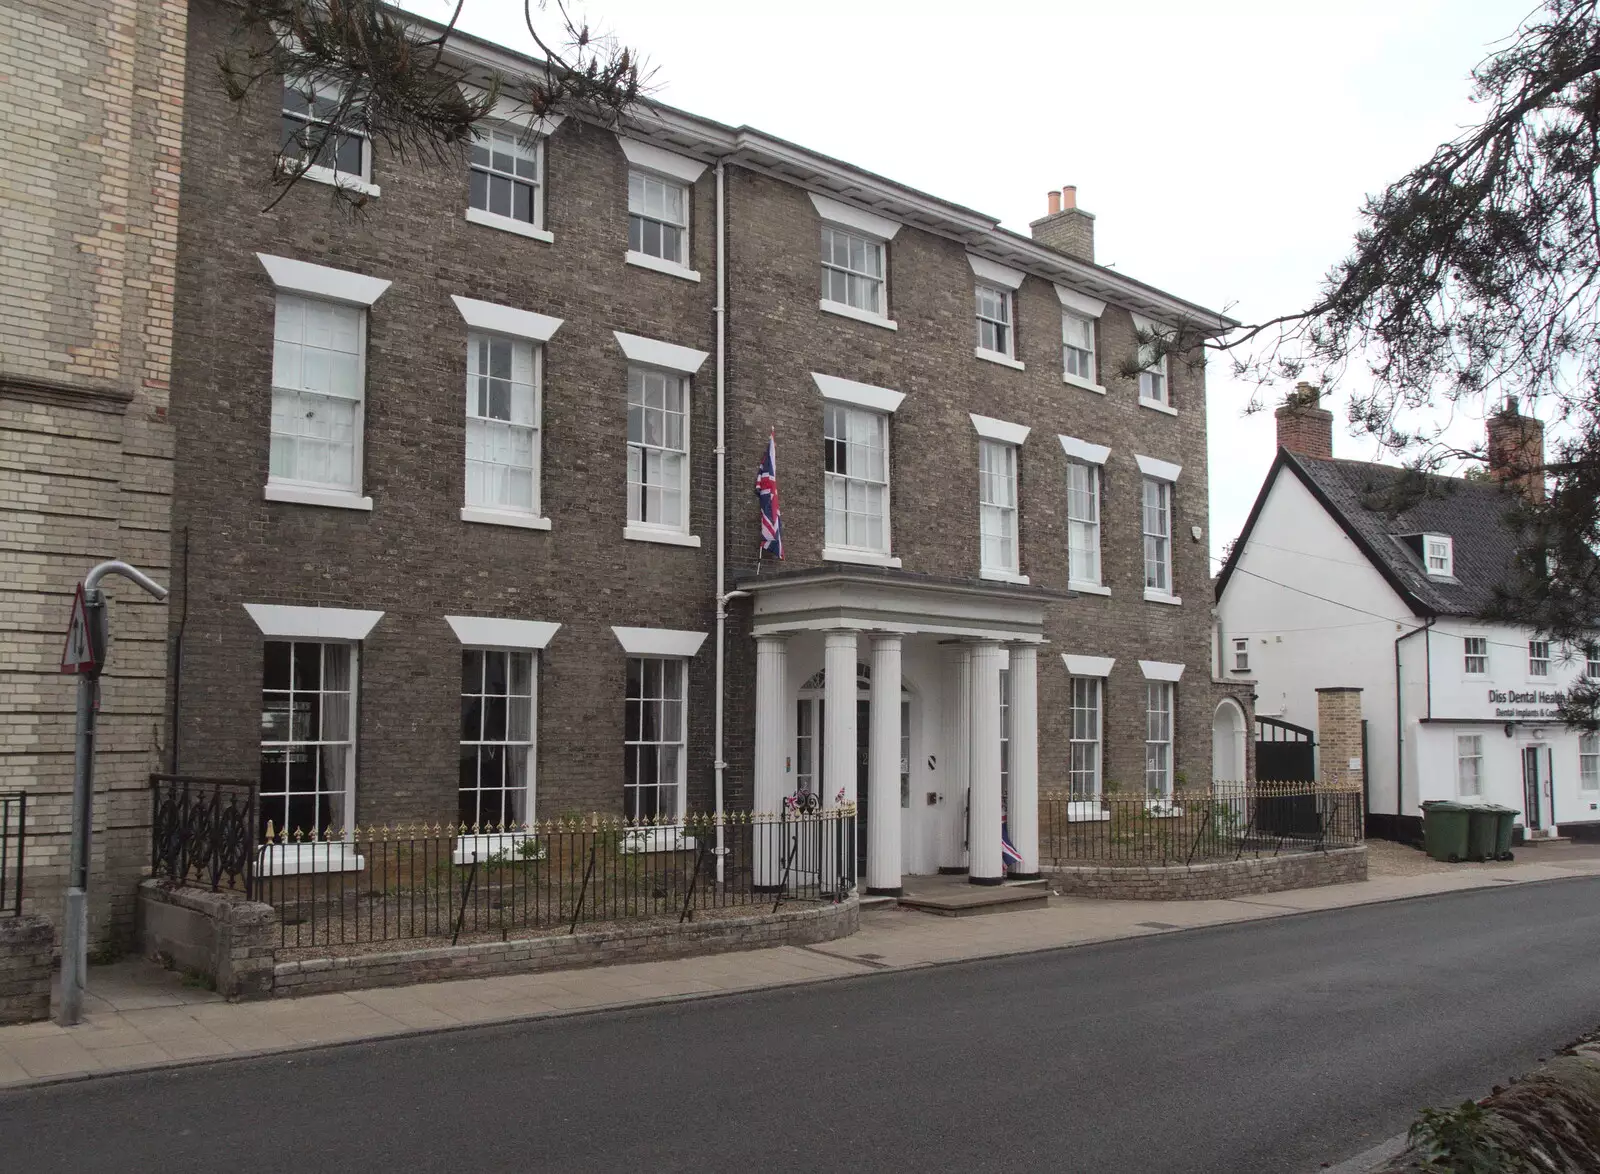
[232, 943]
[224, 938]
[26, 946]
[794, 925]
[1227, 878]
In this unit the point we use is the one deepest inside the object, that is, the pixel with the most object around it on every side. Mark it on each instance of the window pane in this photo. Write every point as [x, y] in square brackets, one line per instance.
[306, 736]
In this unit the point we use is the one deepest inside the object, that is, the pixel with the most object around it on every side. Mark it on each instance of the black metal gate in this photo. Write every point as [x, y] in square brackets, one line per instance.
[1285, 753]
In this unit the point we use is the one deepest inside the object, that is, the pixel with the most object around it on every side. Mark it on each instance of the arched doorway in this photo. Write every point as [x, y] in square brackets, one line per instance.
[810, 760]
[1229, 763]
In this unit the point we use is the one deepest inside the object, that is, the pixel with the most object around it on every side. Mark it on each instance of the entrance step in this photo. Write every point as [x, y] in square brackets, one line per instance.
[877, 902]
[954, 896]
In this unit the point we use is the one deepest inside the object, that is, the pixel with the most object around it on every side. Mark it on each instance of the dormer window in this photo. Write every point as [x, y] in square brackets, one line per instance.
[1438, 555]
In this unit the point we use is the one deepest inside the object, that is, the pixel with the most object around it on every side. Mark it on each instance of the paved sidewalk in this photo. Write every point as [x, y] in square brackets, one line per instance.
[139, 1016]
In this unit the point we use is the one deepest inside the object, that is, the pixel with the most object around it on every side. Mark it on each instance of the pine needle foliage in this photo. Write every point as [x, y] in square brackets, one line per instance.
[397, 85]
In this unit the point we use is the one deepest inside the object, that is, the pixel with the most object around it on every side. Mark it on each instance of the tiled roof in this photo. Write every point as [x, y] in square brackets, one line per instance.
[1472, 513]
[1362, 497]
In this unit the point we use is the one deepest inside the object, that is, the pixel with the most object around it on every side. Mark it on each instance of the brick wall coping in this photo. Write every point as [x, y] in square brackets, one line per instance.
[1211, 880]
[792, 925]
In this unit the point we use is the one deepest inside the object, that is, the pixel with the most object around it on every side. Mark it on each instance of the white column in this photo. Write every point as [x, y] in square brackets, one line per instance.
[984, 861]
[883, 770]
[772, 670]
[839, 736]
[1022, 805]
[958, 761]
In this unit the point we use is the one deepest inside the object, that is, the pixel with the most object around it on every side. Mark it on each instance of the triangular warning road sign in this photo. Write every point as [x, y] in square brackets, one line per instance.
[79, 655]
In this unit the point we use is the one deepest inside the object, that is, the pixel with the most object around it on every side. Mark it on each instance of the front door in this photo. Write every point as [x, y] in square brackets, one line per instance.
[1531, 788]
[810, 755]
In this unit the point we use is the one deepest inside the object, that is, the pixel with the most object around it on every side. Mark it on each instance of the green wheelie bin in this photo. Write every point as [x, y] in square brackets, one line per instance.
[1445, 827]
[1505, 818]
[1483, 830]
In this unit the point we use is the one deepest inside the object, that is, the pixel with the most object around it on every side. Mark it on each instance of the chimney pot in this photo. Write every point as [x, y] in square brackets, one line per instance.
[1066, 228]
[1304, 425]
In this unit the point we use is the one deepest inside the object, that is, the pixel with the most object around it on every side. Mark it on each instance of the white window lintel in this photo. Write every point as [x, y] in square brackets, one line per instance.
[650, 157]
[285, 621]
[1079, 303]
[1082, 450]
[321, 281]
[847, 216]
[863, 395]
[1000, 430]
[1088, 666]
[658, 641]
[1160, 670]
[488, 632]
[505, 320]
[1160, 470]
[995, 273]
[655, 353]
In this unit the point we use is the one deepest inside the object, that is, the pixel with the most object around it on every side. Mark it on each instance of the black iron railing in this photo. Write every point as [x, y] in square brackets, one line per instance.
[466, 884]
[1230, 821]
[13, 843]
[203, 831]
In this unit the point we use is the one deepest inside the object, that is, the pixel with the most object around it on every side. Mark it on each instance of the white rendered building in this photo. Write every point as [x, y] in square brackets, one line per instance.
[1329, 586]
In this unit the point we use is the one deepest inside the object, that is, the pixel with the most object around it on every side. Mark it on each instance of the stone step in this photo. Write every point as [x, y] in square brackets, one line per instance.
[970, 900]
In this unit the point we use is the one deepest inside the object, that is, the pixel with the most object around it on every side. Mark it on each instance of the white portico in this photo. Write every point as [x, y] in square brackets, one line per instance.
[913, 697]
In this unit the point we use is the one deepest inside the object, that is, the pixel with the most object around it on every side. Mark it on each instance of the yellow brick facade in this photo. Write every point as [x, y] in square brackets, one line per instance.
[91, 115]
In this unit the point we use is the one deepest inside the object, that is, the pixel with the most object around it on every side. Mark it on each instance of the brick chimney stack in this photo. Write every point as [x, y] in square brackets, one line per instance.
[1516, 450]
[1065, 227]
[1304, 425]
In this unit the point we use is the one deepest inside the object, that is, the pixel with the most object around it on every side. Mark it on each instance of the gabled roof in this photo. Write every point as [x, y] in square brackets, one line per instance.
[1356, 495]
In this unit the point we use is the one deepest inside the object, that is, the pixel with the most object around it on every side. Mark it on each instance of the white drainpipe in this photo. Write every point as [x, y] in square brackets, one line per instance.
[722, 521]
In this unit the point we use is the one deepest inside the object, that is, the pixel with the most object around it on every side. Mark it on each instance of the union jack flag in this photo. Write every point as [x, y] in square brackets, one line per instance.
[767, 495]
[1008, 851]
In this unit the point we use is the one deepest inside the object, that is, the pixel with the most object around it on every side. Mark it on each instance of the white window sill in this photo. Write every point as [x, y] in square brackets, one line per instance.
[1001, 576]
[666, 537]
[1086, 811]
[863, 558]
[670, 268]
[1162, 809]
[507, 846]
[302, 495]
[997, 357]
[1162, 597]
[310, 857]
[1088, 588]
[867, 316]
[338, 179]
[1156, 405]
[658, 839]
[508, 224]
[491, 517]
[1083, 383]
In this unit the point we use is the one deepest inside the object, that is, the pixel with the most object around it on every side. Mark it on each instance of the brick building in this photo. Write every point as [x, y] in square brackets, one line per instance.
[398, 604]
[90, 127]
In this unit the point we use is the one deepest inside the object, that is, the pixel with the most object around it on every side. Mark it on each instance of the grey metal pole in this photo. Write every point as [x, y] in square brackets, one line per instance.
[75, 931]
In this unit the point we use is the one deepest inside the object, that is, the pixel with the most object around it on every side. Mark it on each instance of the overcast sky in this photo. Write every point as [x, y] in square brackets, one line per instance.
[1224, 147]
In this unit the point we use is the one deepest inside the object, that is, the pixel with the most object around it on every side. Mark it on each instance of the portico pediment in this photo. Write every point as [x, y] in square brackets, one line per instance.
[884, 600]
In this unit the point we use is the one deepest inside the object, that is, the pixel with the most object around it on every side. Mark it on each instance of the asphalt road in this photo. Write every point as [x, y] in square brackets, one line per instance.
[1269, 1047]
